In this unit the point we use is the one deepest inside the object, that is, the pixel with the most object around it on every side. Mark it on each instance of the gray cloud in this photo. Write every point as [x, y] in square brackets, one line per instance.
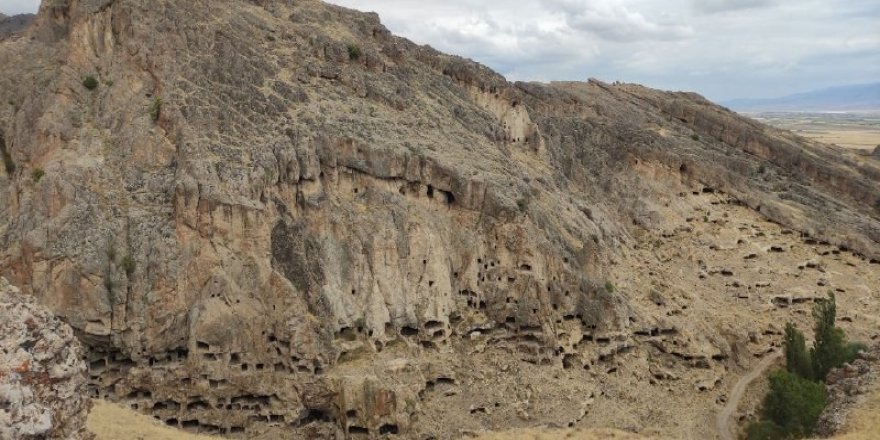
[714, 6]
[612, 20]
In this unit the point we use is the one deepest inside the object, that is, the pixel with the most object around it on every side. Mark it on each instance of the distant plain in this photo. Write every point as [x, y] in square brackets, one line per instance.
[850, 130]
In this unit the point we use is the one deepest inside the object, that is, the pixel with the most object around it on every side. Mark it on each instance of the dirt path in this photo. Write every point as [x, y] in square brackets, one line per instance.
[724, 416]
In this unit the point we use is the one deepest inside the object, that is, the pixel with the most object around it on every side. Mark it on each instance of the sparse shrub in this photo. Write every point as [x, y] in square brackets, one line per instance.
[793, 403]
[354, 52]
[90, 82]
[128, 264]
[762, 169]
[38, 174]
[609, 286]
[156, 109]
[695, 137]
[7, 158]
[109, 83]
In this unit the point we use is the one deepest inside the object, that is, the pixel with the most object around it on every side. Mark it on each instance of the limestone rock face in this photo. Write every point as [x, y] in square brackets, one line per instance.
[43, 380]
[277, 217]
[847, 387]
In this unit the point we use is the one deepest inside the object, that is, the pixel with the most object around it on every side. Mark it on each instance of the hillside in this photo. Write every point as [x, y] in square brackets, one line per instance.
[853, 98]
[275, 219]
[14, 24]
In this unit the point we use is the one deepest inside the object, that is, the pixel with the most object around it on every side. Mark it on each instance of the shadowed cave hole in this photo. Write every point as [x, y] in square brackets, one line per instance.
[388, 429]
[358, 430]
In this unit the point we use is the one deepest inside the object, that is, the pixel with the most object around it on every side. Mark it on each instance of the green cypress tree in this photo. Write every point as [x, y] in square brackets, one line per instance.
[830, 349]
[797, 359]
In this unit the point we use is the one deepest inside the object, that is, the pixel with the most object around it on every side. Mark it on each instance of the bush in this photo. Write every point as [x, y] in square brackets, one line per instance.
[793, 403]
[609, 286]
[128, 264]
[156, 109]
[764, 430]
[90, 82]
[38, 174]
[7, 158]
[695, 137]
[354, 52]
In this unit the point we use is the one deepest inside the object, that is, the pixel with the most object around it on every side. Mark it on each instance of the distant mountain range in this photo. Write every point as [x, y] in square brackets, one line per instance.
[14, 24]
[862, 97]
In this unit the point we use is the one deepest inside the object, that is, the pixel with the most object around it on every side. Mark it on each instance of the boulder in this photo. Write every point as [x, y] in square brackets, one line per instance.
[43, 377]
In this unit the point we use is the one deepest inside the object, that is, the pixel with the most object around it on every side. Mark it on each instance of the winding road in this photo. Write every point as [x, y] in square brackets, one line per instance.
[723, 419]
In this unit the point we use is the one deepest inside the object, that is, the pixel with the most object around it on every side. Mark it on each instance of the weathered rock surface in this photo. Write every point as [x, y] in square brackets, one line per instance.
[43, 380]
[847, 387]
[258, 230]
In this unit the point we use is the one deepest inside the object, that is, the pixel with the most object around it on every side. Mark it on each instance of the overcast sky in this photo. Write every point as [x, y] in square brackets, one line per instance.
[721, 48]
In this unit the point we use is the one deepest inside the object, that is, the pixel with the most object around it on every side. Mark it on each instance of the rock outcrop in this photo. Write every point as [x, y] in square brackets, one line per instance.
[276, 216]
[847, 387]
[43, 380]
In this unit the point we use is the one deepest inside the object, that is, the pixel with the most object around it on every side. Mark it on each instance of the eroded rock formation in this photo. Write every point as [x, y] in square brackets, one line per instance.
[43, 380]
[847, 387]
[277, 217]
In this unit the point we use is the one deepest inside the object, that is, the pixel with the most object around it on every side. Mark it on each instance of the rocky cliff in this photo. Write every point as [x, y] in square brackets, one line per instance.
[275, 216]
[43, 380]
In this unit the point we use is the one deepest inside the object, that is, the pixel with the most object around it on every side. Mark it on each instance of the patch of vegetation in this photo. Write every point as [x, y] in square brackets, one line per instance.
[609, 286]
[156, 108]
[762, 169]
[830, 348]
[797, 394]
[128, 264]
[764, 430]
[37, 174]
[354, 52]
[695, 137]
[90, 82]
[797, 358]
[7, 158]
[793, 404]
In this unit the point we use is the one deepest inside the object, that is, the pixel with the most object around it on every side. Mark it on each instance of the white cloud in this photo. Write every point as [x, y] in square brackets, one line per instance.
[613, 20]
[722, 48]
[14, 7]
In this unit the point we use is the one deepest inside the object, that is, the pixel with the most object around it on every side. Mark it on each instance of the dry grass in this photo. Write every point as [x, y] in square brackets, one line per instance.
[856, 139]
[112, 422]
